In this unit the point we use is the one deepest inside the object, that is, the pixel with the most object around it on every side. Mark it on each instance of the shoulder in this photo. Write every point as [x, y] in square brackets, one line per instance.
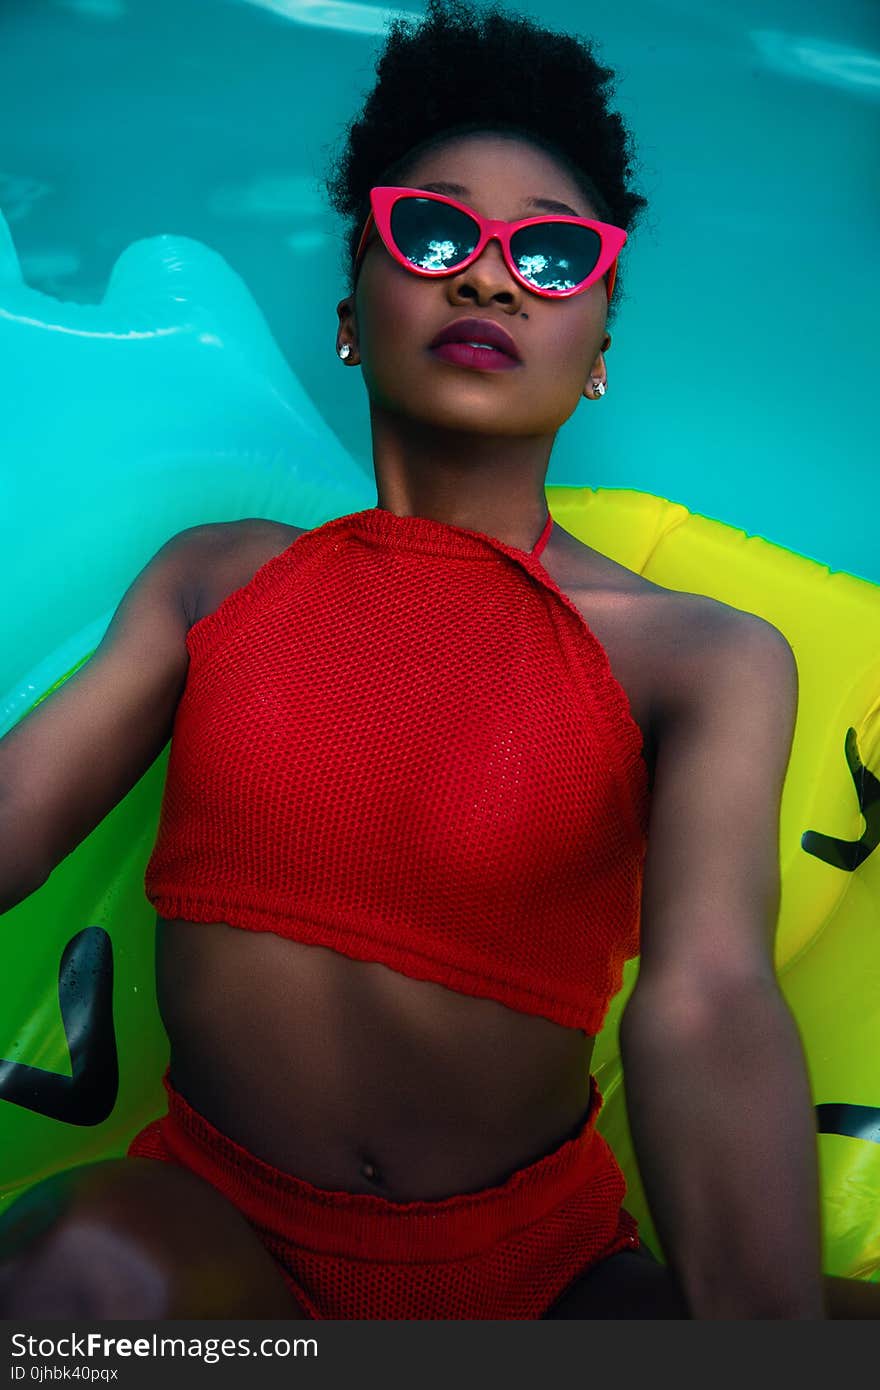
[714, 649]
[211, 536]
[222, 556]
[667, 642]
[688, 617]
[672, 650]
[673, 637]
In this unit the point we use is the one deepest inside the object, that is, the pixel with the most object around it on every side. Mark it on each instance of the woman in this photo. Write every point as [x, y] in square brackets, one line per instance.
[395, 894]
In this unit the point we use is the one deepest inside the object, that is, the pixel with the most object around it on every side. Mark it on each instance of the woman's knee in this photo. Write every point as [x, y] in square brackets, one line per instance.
[134, 1237]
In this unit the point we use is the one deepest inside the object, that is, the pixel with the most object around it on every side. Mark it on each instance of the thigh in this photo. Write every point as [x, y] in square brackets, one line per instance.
[134, 1237]
[630, 1284]
[633, 1284]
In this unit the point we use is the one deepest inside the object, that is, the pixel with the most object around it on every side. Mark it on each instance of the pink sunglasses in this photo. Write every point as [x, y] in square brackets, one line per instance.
[431, 234]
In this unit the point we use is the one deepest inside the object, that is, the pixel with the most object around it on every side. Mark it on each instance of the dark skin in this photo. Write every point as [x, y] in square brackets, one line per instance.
[385, 1077]
[346, 1073]
[378, 1082]
[464, 446]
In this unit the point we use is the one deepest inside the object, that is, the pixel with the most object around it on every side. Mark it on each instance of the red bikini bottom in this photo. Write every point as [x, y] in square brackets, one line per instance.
[508, 1251]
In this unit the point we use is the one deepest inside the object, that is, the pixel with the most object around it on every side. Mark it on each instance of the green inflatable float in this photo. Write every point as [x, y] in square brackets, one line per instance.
[80, 1025]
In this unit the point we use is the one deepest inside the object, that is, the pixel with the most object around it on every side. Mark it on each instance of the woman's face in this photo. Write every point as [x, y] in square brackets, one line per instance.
[394, 315]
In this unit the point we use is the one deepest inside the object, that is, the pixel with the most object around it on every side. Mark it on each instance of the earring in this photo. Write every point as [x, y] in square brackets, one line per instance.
[344, 351]
[599, 387]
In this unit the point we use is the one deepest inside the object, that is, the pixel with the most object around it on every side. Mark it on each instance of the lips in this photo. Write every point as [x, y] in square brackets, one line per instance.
[478, 331]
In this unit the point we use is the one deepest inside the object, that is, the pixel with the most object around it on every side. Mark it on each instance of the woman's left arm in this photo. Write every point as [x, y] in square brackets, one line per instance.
[717, 1090]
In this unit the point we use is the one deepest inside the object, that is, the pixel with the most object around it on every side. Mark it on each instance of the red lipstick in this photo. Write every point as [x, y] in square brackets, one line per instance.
[476, 342]
[484, 359]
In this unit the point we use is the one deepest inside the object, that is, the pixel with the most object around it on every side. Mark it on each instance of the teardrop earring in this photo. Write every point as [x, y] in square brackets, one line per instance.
[344, 351]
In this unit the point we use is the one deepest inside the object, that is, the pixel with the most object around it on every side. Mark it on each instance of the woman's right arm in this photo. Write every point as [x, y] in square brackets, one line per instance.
[68, 762]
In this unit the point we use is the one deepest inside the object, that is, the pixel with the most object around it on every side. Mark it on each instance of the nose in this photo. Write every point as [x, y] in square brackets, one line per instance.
[489, 273]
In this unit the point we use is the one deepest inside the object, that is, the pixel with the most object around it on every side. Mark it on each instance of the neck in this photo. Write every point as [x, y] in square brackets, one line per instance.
[485, 483]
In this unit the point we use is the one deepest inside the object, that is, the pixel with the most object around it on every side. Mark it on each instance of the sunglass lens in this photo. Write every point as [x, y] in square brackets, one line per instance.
[555, 255]
[432, 235]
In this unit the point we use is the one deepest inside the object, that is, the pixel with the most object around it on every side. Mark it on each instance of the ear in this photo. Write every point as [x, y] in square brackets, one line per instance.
[597, 371]
[345, 311]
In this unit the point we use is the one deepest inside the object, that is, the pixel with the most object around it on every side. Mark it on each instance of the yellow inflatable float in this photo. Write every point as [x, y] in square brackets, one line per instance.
[81, 1034]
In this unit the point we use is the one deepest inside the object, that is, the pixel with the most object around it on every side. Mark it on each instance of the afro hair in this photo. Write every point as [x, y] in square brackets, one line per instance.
[534, 83]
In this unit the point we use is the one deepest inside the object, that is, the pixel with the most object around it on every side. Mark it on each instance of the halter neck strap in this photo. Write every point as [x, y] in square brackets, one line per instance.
[543, 538]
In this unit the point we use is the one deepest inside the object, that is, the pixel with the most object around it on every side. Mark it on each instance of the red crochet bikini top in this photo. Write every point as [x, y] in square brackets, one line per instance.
[402, 741]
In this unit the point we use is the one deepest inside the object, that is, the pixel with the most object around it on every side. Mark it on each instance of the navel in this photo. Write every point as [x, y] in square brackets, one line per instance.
[370, 1171]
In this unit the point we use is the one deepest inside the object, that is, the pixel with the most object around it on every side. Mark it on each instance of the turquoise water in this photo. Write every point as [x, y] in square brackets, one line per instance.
[169, 273]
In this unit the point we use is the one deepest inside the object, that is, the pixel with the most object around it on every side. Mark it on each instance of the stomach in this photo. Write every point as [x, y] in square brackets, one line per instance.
[355, 1077]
